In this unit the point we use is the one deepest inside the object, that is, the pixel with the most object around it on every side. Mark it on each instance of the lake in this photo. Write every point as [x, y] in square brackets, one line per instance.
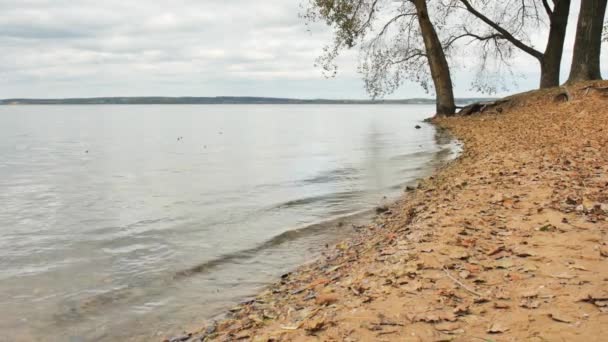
[131, 222]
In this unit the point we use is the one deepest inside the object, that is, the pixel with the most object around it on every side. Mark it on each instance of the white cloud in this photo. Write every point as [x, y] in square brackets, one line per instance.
[61, 48]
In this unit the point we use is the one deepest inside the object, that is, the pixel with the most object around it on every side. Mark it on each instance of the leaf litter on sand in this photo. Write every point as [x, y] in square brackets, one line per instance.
[501, 242]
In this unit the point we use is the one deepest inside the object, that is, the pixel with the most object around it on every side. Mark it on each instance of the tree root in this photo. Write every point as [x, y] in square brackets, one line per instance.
[587, 89]
[563, 96]
[480, 107]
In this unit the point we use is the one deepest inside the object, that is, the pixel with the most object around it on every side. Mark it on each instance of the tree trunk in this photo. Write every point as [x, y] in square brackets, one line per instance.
[440, 70]
[588, 41]
[550, 63]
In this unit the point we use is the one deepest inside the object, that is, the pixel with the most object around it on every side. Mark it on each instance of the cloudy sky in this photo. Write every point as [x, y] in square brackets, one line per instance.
[82, 48]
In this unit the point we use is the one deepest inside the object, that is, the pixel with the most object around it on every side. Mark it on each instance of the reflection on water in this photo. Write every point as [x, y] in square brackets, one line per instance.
[117, 219]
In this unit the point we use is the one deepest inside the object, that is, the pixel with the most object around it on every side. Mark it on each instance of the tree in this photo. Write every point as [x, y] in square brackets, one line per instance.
[588, 41]
[406, 46]
[514, 29]
[440, 70]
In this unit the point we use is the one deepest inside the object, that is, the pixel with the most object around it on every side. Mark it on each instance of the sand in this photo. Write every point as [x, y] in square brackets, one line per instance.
[507, 243]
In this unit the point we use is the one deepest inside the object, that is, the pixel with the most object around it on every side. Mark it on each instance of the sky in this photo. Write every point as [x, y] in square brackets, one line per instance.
[90, 48]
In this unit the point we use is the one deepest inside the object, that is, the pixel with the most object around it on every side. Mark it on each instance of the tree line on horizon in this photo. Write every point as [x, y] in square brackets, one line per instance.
[417, 40]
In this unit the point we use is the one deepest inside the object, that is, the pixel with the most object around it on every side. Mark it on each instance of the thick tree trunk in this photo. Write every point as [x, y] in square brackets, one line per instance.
[588, 41]
[440, 70]
[550, 63]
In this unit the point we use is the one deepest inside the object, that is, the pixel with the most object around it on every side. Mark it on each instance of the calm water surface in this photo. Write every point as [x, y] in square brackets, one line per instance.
[124, 222]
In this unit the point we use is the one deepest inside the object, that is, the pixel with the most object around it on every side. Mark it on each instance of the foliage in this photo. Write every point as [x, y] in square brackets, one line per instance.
[388, 35]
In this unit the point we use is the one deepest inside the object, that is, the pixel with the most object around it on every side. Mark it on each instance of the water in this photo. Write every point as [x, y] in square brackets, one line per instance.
[122, 222]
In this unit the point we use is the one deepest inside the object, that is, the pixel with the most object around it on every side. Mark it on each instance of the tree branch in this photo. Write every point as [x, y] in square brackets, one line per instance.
[388, 23]
[372, 10]
[468, 34]
[548, 8]
[506, 34]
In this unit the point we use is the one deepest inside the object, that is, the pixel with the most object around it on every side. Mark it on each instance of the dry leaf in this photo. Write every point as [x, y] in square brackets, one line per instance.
[505, 264]
[501, 305]
[529, 304]
[434, 317]
[314, 325]
[326, 299]
[447, 326]
[578, 267]
[461, 309]
[464, 274]
[559, 317]
[496, 250]
[290, 327]
[564, 276]
[497, 328]
[530, 294]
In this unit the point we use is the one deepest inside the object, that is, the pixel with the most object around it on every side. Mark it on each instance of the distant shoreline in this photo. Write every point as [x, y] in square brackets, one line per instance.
[215, 100]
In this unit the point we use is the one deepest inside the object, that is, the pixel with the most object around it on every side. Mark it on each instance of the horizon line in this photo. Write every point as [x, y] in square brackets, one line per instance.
[233, 97]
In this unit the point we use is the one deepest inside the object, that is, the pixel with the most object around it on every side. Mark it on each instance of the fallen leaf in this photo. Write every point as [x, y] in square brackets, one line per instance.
[464, 274]
[595, 295]
[502, 294]
[530, 294]
[497, 328]
[461, 309]
[459, 254]
[529, 268]
[290, 327]
[472, 268]
[242, 336]
[578, 267]
[564, 276]
[434, 317]
[326, 299]
[522, 253]
[559, 317]
[447, 326]
[529, 304]
[547, 228]
[496, 250]
[314, 325]
[387, 332]
[501, 305]
[505, 264]
[515, 277]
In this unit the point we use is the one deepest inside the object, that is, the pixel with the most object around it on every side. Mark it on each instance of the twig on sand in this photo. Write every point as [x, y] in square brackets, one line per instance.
[461, 284]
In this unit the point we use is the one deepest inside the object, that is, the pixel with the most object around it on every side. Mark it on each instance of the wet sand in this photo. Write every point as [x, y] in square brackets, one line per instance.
[508, 242]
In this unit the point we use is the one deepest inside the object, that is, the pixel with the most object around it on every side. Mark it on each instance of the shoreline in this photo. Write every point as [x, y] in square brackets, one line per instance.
[350, 224]
[451, 149]
[493, 246]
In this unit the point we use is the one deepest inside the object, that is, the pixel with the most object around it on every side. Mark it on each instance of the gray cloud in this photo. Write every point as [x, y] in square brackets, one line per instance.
[59, 48]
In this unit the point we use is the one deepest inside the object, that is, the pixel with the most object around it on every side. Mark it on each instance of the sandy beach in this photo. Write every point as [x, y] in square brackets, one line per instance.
[507, 243]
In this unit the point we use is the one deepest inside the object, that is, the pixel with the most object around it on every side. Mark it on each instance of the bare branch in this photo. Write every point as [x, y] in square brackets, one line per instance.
[506, 34]
[547, 8]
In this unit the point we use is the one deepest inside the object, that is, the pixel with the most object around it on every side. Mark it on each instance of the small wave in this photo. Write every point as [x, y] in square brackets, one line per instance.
[413, 155]
[111, 233]
[412, 170]
[332, 176]
[277, 240]
[329, 199]
[77, 309]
